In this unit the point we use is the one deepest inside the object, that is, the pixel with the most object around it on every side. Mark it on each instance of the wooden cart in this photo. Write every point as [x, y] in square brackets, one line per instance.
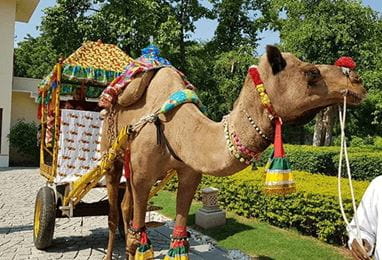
[92, 67]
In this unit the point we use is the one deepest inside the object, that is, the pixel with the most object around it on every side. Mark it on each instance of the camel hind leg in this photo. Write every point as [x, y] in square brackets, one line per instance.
[112, 184]
[140, 193]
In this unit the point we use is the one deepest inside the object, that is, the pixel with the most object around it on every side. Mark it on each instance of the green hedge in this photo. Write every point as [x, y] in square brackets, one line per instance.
[312, 210]
[324, 160]
[364, 166]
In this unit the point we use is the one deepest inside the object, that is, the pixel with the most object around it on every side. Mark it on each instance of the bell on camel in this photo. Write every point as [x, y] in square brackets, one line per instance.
[279, 178]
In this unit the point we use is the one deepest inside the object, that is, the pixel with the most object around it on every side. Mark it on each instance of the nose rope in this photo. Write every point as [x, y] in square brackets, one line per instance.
[344, 153]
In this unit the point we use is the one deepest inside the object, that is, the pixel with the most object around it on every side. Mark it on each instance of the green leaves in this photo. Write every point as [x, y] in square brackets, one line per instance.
[34, 58]
[23, 141]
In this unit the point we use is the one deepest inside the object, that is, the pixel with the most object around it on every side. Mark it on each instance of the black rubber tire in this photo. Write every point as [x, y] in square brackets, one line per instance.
[44, 218]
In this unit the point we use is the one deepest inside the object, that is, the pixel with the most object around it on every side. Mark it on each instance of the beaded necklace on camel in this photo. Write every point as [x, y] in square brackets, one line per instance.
[236, 148]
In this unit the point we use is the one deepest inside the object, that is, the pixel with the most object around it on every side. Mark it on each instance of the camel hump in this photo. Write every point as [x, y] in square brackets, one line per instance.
[134, 91]
[137, 87]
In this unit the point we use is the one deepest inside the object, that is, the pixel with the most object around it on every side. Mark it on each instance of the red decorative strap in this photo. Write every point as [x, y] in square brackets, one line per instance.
[180, 231]
[346, 62]
[278, 143]
[255, 75]
[127, 164]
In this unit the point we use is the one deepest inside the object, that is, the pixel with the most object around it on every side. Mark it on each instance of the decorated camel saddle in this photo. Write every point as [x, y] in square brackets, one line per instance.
[129, 87]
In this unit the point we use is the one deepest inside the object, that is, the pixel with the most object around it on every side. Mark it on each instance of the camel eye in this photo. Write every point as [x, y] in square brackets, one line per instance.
[313, 75]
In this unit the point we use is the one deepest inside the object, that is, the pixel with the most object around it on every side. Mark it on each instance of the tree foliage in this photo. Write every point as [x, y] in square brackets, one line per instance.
[34, 58]
[316, 31]
[322, 31]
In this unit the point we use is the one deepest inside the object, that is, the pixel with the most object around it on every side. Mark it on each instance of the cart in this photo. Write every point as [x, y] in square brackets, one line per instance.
[73, 87]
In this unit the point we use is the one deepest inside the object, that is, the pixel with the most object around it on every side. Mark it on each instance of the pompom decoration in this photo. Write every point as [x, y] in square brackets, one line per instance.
[346, 62]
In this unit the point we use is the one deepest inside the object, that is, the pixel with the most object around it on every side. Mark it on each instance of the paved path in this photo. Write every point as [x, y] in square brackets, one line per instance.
[76, 238]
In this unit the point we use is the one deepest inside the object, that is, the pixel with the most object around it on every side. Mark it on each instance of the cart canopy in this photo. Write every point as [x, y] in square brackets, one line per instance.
[94, 65]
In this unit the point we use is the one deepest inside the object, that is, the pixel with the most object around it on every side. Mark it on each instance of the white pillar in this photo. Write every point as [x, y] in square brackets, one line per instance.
[7, 32]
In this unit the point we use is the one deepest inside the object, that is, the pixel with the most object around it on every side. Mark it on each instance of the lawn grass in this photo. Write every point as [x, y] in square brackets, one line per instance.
[256, 238]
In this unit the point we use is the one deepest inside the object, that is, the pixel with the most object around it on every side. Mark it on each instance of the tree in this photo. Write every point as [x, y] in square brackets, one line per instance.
[34, 58]
[322, 31]
[239, 22]
[65, 25]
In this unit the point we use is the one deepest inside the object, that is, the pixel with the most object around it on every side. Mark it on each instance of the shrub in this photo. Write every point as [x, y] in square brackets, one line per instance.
[378, 142]
[312, 210]
[324, 160]
[357, 141]
[23, 144]
[309, 158]
[364, 166]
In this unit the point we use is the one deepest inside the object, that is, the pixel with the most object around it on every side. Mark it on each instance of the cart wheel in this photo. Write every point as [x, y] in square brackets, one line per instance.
[44, 218]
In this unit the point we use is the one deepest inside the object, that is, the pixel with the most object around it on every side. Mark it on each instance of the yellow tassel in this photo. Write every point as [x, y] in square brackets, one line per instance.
[178, 257]
[147, 255]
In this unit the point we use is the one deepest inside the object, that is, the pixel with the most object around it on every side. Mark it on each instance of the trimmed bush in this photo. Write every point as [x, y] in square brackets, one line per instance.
[324, 160]
[312, 210]
[364, 166]
[24, 150]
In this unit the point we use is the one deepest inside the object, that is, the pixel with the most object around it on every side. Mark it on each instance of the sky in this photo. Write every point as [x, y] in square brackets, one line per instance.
[204, 28]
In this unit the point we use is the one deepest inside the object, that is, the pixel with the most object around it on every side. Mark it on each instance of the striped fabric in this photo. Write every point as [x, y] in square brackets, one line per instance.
[178, 251]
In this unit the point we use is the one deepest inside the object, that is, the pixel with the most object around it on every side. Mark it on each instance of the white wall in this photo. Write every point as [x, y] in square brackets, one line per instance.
[24, 95]
[7, 28]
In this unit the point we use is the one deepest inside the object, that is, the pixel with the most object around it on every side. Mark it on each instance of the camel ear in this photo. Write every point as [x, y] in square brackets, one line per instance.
[275, 59]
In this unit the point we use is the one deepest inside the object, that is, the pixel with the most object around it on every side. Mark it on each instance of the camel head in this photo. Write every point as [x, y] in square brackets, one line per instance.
[298, 90]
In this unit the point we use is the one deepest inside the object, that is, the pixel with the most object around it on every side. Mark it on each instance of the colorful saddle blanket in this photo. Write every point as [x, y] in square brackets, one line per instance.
[149, 60]
[180, 97]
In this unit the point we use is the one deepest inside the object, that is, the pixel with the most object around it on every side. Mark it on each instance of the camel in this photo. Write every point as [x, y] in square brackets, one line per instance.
[296, 89]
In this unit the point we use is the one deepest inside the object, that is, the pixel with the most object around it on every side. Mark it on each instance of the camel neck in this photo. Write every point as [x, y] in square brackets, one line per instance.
[249, 105]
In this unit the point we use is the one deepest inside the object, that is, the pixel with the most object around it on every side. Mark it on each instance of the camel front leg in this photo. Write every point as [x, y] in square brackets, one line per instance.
[112, 185]
[188, 183]
[136, 235]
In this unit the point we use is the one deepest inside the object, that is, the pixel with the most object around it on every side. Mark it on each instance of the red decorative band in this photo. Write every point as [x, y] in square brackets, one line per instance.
[255, 75]
[179, 232]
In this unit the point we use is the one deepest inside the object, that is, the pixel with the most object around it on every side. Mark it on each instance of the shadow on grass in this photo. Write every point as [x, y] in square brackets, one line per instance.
[263, 257]
[232, 227]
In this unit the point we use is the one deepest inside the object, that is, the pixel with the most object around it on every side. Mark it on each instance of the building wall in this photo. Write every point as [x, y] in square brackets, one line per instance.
[23, 108]
[7, 29]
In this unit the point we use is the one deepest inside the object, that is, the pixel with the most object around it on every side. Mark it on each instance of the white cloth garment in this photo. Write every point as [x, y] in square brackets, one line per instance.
[79, 144]
[369, 213]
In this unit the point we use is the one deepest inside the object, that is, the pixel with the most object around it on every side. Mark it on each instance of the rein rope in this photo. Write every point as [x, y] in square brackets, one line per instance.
[344, 153]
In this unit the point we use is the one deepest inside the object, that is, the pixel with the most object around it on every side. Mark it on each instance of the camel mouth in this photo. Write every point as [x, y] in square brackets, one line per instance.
[352, 98]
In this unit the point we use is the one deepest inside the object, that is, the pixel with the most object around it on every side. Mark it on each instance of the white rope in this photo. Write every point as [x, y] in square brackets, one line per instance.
[342, 116]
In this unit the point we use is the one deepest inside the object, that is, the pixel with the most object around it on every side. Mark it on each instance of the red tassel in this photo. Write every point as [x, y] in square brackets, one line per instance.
[127, 164]
[144, 238]
[255, 75]
[278, 142]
